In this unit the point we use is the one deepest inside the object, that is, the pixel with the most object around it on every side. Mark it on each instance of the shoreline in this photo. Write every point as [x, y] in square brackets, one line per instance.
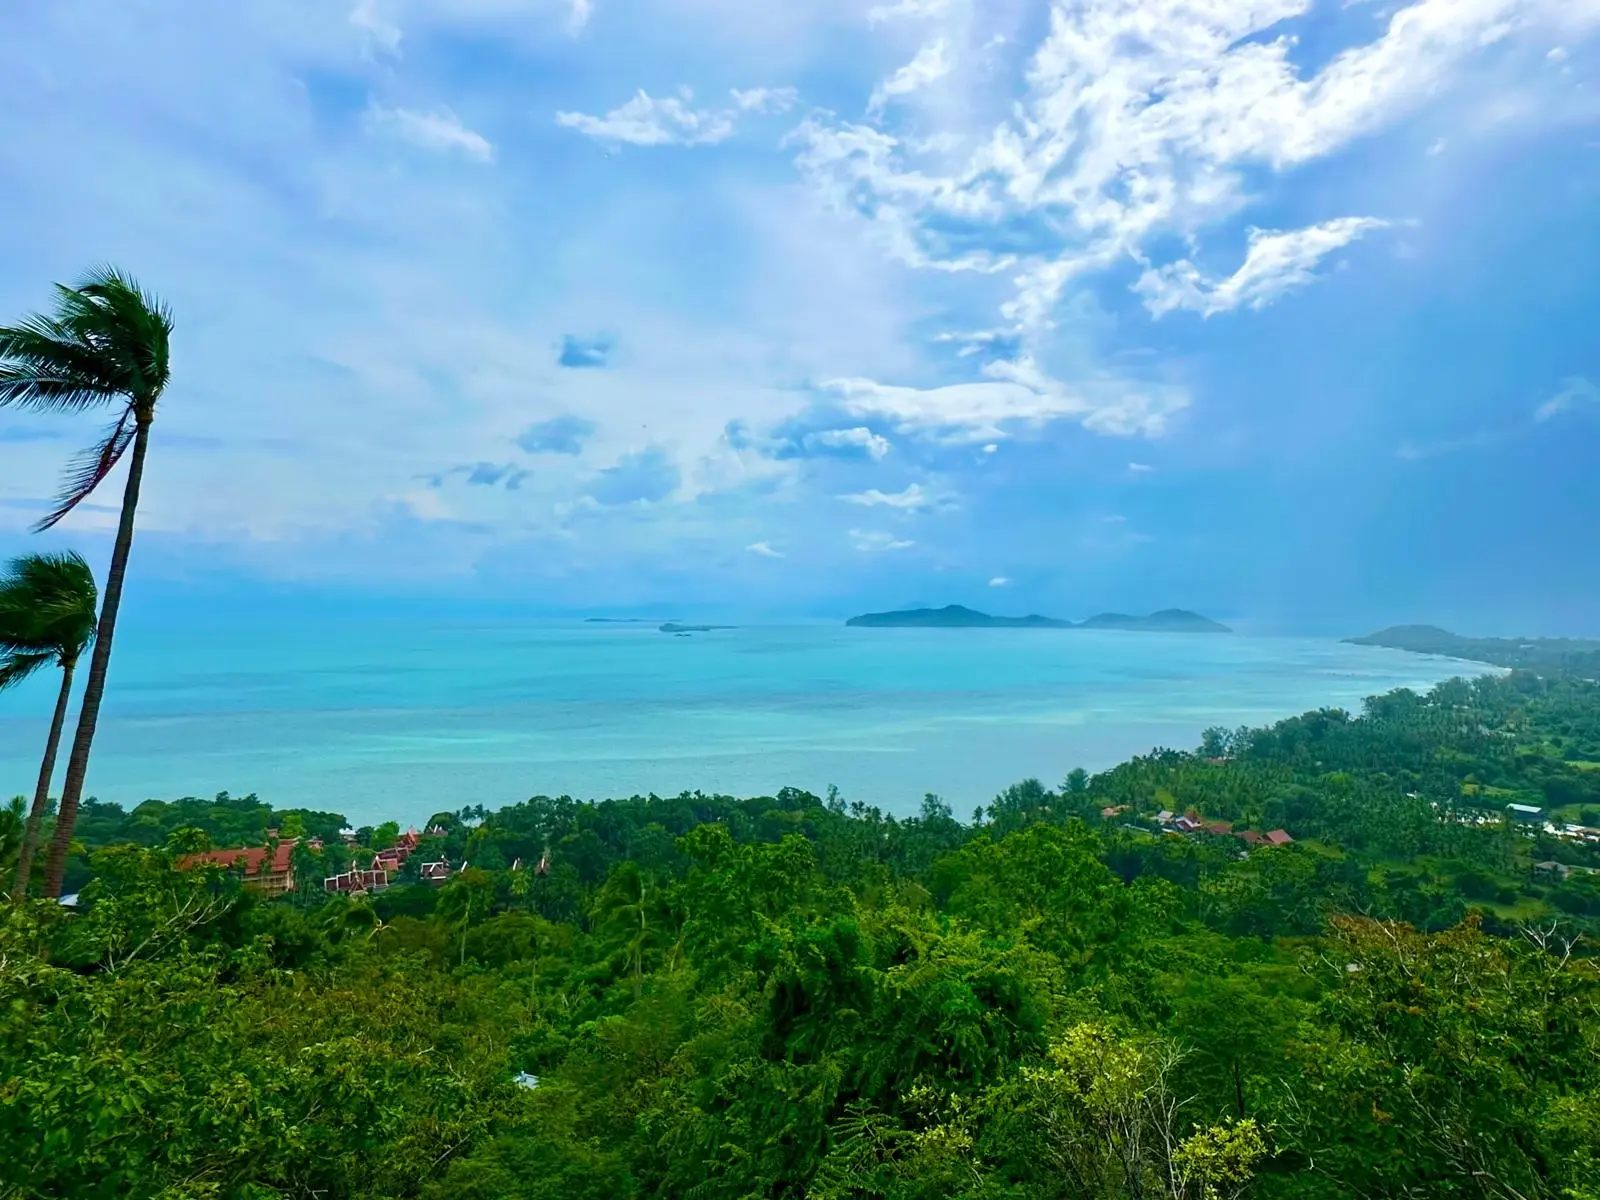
[966, 747]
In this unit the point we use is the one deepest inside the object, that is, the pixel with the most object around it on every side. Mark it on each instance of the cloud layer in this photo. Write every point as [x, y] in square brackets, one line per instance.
[821, 299]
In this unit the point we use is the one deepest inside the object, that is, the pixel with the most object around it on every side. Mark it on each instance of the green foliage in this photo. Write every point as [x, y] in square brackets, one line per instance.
[795, 996]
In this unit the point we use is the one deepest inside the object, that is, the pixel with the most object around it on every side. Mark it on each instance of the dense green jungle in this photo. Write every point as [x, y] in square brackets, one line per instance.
[1114, 987]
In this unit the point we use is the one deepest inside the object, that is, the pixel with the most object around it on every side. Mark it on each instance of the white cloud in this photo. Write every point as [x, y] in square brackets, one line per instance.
[913, 499]
[1558, 54]
[1142, 119]
[1140, 468]
[931, 64]
[880, 13]
[999, 581]
[647, 121]
[1018, 393]
[766, 100]
[674, 121]
[578, 16]
[871, 541]
[764, 550]
[991, 448]
[1276, 262]
[1576, 392]
[380, 33]
[1437, 148]
[861, 438]
[440, 131]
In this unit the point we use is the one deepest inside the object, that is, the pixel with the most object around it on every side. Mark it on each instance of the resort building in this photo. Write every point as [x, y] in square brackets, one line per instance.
[267, 869]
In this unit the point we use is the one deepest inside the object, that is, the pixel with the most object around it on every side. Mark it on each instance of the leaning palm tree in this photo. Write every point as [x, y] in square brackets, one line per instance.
[106, 345]
[47, 615]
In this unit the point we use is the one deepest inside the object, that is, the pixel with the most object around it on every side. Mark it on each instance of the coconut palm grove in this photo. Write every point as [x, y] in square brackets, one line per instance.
[1349, 954]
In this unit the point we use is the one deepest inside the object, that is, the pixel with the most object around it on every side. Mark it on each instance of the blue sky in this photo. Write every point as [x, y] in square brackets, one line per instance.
[1279, 310]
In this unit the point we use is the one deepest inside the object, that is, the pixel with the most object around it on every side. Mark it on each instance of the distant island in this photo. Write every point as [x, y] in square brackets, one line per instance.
[1577, 655]
[674, 627]
[1168, 620]
[956, 616]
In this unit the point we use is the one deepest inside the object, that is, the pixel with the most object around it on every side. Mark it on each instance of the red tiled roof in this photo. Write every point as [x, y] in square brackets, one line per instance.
[253, 857]
[1218, 827]
[1252, 838]
[1279, 838]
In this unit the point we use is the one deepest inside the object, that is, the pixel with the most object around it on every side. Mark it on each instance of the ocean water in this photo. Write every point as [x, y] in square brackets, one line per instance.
[400, 719]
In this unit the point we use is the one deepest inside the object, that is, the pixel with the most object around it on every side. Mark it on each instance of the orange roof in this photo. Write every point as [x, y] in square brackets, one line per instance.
[1279, 838]
[253, 857]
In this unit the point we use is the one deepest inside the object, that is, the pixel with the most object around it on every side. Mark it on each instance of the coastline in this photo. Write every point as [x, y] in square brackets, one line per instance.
[608, 711]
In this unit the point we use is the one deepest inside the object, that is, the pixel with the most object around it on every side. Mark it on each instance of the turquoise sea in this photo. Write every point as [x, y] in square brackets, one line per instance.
[399, 719]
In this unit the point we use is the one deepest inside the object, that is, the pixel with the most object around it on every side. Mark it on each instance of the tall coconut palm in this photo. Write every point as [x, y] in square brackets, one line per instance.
[47, 615]
[105, 346]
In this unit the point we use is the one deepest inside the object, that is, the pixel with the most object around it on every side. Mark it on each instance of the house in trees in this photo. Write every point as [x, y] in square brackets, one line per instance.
[1251, 837]
[436, 872]
[374, 880]
[268, 869]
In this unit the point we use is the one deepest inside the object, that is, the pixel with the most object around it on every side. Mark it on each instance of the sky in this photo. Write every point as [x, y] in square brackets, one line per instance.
[1278, 310]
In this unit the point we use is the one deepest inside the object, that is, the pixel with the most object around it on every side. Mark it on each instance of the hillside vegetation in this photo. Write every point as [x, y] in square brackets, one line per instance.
[796, 996]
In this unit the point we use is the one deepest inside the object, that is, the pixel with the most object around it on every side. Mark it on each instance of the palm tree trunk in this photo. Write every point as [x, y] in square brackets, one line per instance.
[41, 794]
[99, 662]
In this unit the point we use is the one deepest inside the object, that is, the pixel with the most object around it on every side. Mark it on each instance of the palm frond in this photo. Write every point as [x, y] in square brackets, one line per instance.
[46, 365]
[17, 665]
[107, 338]
[85, 472]
[142, 322]
[48, 603]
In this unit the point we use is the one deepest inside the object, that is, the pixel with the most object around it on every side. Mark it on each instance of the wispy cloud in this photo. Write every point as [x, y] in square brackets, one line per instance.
[381, 34]
[1576, 392]
[880, 13]
[764, 550]
[874, 541]
[913, 499]
[578, 16]
[440, 131]
[999, 581]
[765, 100]
[860, 439]
[1018, 394]
[646, 120]
[1275, 263]
[1141, 121]
[931, 64]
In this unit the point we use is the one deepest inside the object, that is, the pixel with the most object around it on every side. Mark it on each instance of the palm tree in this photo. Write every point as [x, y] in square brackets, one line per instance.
[12, 820]
[47, 614]
[106, 345]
